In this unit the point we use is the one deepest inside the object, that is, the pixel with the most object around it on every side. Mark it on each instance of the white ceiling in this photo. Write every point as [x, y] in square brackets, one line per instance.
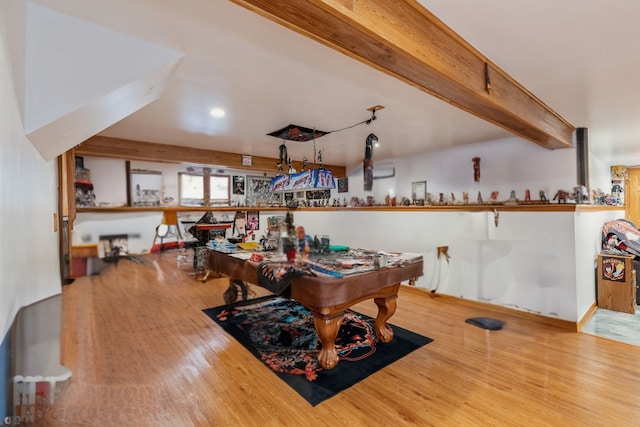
[580, 57]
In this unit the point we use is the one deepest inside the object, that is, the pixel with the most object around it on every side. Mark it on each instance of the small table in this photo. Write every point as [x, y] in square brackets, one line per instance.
[328, 298]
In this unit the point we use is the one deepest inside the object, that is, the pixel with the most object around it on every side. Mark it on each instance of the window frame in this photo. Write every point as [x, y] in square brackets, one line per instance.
[213, 201]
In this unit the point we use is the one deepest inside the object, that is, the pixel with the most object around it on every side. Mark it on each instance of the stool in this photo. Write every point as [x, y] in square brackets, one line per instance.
[164, 229]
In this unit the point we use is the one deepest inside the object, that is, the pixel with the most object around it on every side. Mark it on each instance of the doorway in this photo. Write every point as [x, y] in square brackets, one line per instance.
[616, 325]
[632, 195]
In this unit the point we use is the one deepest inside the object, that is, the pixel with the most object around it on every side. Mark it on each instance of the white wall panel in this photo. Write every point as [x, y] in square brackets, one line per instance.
[29, 263]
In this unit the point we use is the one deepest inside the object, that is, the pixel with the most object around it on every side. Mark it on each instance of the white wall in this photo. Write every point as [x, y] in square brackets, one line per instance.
[139, 226]
[507, 164]
[112, 176]
[540, 262]
[527, 262]
[599, 174]
[110, 186]
[29, 264]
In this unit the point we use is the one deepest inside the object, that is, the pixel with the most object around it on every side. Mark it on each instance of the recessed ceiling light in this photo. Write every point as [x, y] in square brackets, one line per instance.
[217, 112]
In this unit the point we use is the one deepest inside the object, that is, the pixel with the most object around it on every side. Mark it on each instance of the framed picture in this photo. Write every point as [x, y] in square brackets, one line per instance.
[258, 192]
[275, 223]
[418, 190]
[343, 184]
[318, 194]
[240, 224]
[253, 221]
[145, 187]
[238, 185]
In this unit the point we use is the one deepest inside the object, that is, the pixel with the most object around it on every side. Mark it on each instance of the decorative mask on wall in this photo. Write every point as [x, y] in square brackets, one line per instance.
[368, 161]
[476, 169]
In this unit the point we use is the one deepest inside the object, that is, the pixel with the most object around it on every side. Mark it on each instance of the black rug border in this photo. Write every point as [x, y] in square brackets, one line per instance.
[331, 382]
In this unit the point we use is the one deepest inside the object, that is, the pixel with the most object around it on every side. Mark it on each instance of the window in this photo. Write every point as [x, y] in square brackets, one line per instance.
[192, 191]
[219, 189]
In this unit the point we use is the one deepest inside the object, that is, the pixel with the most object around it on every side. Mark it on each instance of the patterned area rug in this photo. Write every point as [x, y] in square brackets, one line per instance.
[280, 332]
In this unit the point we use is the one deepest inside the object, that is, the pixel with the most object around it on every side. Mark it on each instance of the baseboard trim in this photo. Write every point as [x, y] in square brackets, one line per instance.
[550, 321]
[587, 316]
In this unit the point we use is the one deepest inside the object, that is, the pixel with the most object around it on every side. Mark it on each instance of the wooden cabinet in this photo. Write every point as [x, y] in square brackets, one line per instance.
[616, 283]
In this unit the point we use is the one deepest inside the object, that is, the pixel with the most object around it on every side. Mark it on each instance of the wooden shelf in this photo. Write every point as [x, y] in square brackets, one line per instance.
[539, 207]
[105, 209]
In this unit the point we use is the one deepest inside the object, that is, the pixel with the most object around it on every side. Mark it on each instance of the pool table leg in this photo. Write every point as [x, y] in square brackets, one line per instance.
[386, 308]
[327, 329]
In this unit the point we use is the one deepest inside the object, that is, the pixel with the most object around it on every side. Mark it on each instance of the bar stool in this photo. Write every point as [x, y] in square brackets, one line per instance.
[166, 229]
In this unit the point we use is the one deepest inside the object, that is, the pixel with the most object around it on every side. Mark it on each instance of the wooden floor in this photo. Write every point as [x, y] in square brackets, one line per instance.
[143, 354]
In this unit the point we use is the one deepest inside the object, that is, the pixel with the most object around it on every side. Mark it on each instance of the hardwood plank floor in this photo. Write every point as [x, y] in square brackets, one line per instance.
[142, 353]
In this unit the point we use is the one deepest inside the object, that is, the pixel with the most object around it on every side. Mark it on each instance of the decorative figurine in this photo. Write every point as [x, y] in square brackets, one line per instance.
[543, 198]
[527, 196]
[598, 196]
[289, 222]
[453, 198]
[303, 243]
[480, 198]
[324, 244]
[580, 194]
[561, 196]
[476, 169]
[283, 158]
[291, 169]
[465, 197]
[513, 200]
[494, 196]
[305, 164]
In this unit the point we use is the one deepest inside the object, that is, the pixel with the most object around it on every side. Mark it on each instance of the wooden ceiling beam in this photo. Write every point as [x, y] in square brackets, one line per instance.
[403, 39]
[105, 146]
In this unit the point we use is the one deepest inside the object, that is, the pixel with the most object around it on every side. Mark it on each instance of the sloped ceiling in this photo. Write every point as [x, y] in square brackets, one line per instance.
[78, 78]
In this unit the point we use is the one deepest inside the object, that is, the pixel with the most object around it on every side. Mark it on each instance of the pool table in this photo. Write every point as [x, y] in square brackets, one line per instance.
[328, 298]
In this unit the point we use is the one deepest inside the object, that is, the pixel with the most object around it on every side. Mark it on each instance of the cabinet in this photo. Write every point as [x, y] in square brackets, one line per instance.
[616, 283]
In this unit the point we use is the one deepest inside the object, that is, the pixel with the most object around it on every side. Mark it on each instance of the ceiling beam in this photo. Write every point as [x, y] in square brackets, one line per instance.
[118, 148]
[404, 40]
